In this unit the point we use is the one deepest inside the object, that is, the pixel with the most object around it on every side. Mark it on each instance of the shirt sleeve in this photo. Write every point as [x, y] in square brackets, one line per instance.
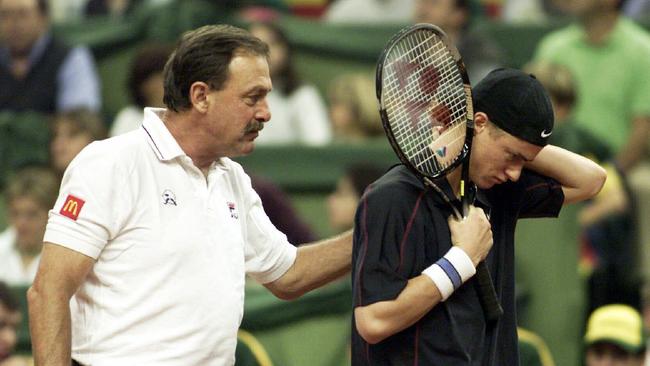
[386, 223]
[541, 196]
[78, 82]
[268, 253]
[91, 206]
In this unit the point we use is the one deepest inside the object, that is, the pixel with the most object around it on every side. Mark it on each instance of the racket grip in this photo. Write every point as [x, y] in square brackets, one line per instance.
[487, 295]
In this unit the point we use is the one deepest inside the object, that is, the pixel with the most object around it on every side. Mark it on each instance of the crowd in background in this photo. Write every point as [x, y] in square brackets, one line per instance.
[596, 70]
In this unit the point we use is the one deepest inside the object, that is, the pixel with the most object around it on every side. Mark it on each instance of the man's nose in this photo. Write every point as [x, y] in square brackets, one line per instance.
[264, 113]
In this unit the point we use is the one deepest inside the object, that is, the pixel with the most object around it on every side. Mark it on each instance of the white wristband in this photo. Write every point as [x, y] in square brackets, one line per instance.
[440, 279]
[451, 271]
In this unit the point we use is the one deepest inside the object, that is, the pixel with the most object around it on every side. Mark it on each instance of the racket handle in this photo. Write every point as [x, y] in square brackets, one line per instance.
[487, 295]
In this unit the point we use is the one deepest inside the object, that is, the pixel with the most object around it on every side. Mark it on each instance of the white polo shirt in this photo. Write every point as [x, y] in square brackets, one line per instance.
[171, 250]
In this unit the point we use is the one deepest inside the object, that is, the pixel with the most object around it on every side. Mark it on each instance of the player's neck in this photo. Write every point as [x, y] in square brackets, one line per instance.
[454, 180]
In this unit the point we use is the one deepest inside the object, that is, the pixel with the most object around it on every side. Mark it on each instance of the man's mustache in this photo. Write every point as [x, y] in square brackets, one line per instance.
[254, 127]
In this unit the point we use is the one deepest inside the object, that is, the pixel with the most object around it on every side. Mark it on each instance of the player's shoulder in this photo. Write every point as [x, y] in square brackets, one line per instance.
[397, 183]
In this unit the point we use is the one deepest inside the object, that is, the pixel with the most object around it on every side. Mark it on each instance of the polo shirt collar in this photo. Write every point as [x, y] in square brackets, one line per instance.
[160, 139]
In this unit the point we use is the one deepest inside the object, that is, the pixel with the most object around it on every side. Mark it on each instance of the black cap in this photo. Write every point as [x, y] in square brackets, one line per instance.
[517, 103]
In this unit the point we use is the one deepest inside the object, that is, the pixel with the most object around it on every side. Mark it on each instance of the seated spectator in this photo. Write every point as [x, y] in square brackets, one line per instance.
[608, 246]
[614, 336]
[353, 108]
[10, 318]
[342, 203]
[368, 11]
[71, 132]
[29, 196]
[37, 70]
[281, 212]
[298, 113]
[145, 85]
[480, 53]
[112, 8]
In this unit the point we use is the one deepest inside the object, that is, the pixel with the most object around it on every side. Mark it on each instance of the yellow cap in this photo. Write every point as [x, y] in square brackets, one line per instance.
[617, 324]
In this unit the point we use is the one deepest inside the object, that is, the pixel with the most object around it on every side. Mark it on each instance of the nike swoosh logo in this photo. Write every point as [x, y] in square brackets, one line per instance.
[545, 134]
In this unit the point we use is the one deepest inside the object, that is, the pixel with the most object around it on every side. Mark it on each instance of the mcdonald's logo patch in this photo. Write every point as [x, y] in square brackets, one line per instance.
[72, 207]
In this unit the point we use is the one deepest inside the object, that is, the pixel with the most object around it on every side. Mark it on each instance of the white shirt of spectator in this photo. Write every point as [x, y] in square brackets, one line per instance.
[172, 249]
[12, 271]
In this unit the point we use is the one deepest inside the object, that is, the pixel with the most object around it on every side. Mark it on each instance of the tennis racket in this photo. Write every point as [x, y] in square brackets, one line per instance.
[425, 102]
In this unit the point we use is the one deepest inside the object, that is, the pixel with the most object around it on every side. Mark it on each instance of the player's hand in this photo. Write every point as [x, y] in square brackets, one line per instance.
[473, 234]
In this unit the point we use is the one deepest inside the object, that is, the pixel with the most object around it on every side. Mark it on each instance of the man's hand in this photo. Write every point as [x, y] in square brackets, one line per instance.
[473, 234]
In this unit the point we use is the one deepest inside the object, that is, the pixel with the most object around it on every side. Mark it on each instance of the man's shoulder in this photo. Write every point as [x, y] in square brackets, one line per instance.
[122, 150]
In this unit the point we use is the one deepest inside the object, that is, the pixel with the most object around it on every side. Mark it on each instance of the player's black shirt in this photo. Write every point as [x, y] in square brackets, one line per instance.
[401, 229]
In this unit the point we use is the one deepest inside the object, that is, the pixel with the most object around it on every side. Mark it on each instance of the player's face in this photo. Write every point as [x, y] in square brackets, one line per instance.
[239, 110]
[29, 219]
[610, 355]
[498, 157]
[9, 321]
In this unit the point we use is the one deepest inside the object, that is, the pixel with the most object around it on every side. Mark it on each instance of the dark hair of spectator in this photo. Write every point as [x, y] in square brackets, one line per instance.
[148, 61]
[204, 55]
[287, 79]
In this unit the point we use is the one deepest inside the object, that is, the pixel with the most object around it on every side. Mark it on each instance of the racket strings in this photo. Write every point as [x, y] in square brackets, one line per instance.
[425, 100]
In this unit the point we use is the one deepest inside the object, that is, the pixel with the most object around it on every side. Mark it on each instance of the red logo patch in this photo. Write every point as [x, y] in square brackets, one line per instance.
[72, 207]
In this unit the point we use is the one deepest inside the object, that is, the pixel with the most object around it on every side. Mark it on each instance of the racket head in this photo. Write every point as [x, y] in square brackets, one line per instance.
[425, 100]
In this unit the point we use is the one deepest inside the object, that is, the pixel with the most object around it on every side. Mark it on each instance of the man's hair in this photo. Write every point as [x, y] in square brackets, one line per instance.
[204, 54]
[38, 183]
[7, 299]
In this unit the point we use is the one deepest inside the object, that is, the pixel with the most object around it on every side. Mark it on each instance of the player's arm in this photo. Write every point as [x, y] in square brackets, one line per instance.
[316, 264]
[60, 273]
[580, 177]
[380, 320]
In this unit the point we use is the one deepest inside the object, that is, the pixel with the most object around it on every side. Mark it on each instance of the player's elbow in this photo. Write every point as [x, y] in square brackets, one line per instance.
[370, 328]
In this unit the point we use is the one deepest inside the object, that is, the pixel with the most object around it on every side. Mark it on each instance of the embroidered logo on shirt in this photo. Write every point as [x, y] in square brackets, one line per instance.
[168, 197]
[233, 210]
[71, 207]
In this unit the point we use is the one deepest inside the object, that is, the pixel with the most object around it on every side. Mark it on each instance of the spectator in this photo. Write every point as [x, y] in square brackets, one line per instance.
[37, 70]
[145, 85]
[30, 194]
[369, 11]
[614, 337]
[10, 318]
[281, 212]
[609, 57]
[353, 108]
[342, 203]
[298, 112]
[480, 53]
[608, 247]
[71, 132]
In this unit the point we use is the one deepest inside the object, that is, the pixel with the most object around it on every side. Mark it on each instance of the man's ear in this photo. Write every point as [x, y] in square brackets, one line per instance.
[480, 122]
[199, 96]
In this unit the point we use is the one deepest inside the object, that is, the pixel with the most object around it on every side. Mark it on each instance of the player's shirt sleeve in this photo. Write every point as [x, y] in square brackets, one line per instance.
[536, 195]
[387, 225]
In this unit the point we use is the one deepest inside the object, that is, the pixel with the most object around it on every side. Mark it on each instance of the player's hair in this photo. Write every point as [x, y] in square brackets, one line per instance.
[204, 54]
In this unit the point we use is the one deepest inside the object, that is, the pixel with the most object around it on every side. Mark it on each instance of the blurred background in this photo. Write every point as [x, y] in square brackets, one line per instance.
[74, 71]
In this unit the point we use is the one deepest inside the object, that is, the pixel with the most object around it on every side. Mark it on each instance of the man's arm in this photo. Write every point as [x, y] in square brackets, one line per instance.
[636, 145]
[60, 273]
[316, 264]
[380, 320]
[580, 177]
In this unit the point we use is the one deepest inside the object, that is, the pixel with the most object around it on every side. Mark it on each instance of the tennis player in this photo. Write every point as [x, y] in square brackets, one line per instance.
[411, 259]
